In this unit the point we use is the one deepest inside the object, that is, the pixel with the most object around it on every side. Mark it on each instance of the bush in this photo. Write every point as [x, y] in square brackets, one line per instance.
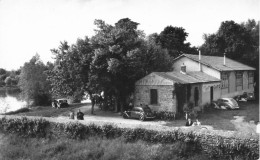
[25, 127]
[165, 115]
[216, 145]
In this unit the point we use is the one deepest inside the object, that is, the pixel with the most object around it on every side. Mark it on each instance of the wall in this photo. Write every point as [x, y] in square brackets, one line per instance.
[191, 99]
[206, 92]
[233, 90]
[194, 66]
[166, 102]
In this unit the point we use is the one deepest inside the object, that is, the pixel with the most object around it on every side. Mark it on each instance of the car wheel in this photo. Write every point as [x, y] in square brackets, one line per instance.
[142, 118]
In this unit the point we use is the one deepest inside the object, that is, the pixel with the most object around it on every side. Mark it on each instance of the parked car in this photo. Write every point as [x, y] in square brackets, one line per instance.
[60, 103]
[245, 97]
[141, 113]
[226, 103]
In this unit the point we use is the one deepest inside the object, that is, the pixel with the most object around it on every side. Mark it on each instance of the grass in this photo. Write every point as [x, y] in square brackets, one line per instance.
[48, 111]
[222, 119]
[218, 119]
[21, 110]
[14, 147]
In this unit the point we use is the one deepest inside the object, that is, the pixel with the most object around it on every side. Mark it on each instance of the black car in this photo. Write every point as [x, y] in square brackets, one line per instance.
[245, 97]
[141, 113]
[60, 103]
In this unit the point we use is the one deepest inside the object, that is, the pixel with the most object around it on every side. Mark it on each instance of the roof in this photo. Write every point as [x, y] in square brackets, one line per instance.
[217, 62]
[189, 77]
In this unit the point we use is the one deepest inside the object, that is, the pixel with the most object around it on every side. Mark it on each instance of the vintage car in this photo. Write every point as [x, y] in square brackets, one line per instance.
[225, 103]
[141, 113]
[245, 97]
[60, 103]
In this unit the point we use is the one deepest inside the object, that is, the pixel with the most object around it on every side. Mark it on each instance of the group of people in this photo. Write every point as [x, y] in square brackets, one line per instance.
[80, 115]
[190, 123]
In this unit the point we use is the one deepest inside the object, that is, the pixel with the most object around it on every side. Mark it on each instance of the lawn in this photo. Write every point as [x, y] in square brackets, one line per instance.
[215, 119]
[15, 147]
[225, 120]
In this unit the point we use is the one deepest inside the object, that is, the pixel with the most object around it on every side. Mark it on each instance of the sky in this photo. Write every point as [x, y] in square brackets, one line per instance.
[28, 27]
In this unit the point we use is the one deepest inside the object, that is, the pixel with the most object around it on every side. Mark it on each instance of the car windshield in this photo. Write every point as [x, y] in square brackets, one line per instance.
[234, 102]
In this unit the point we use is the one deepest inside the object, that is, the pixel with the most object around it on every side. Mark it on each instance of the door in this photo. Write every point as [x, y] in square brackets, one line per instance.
[196, 96]
[211, 94]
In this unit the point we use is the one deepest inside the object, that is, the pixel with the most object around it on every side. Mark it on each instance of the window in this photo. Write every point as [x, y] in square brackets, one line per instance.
[239, 79]
[224, 80]
[250, 78]
[154, 96]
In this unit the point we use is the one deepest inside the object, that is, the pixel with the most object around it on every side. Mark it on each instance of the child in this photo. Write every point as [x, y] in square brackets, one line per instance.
[71, 116]
[197, 123]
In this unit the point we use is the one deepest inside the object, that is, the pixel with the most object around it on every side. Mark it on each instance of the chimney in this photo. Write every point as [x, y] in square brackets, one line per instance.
[224, 59]
[199, 60]
[183, 69]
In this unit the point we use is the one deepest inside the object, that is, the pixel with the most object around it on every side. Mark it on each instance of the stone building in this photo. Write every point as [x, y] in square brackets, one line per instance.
[204, 79]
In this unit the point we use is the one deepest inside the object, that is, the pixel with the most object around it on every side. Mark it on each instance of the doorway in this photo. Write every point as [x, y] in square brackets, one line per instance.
[211, 94]
[196, 96]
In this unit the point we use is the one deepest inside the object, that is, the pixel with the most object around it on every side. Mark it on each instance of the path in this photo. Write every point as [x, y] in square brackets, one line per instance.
[243, 126]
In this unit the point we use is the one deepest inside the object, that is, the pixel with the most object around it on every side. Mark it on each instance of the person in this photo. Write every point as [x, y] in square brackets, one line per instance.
[189, 122]
[71, 116]
[80, 115]
[197, 123]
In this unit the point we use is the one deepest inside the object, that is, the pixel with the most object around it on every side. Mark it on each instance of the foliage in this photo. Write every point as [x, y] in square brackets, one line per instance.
[9, 78]
[25, 127]
[15, 147]
[173, 39]
[216, 145]
[116, 63]
[33, 82]
[70, 75]
[165, 115]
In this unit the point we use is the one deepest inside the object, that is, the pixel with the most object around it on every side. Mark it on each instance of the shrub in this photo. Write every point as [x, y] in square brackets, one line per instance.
[165, 115]
[25, 126]
[216, 145]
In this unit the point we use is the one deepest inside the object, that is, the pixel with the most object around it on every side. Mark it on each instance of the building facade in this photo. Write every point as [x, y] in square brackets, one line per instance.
[204, 79]
[236, 78]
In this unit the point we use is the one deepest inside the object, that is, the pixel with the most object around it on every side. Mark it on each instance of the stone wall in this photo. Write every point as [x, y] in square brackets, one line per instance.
[166, 100]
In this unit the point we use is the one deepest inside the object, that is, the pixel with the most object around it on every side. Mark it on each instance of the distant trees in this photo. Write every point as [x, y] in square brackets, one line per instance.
[33, 82]
[9, 78]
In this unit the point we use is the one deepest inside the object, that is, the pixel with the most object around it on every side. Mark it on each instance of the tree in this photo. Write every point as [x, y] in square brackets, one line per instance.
[173, 39]
[239, 41]
[70, 75]
[118, 58]
[33, 82]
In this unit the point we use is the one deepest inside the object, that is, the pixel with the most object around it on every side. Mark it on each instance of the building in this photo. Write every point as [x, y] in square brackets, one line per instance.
[203, 79]
[236, 78]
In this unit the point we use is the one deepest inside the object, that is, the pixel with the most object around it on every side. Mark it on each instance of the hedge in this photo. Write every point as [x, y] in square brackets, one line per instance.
[215, 145]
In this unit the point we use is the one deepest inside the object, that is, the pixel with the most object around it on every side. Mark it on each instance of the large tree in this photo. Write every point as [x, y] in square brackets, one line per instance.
[116, 62]
[173, 39]
[71, 74]
[33, 82]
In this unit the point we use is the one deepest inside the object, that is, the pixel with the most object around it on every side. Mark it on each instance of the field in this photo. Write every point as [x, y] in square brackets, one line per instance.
[244, 119]
[14, 147]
